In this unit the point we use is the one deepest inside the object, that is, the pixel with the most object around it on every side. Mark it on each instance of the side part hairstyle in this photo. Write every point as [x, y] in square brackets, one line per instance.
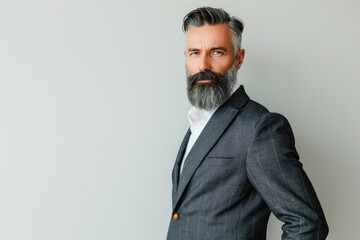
[213, 16]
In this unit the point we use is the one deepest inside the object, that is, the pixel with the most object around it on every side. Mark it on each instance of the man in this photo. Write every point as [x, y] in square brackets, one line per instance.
[238, 162]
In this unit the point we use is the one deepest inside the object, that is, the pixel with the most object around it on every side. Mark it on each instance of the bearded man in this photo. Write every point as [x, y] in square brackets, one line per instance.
[237, 162]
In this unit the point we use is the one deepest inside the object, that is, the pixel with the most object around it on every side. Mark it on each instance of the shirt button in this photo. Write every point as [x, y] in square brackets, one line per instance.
[175, 216]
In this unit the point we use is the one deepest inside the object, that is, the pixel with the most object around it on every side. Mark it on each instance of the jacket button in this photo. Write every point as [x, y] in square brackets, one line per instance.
[175, 216]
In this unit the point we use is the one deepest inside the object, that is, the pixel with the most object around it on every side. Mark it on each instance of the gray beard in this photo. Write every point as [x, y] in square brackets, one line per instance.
[212, 95]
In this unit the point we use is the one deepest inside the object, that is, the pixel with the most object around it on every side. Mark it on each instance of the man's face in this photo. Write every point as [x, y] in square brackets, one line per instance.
[209, 47]
[211, 65]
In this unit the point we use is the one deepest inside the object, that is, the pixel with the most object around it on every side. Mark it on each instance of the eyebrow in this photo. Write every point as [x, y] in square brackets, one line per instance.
[211, 49]
[219, 48]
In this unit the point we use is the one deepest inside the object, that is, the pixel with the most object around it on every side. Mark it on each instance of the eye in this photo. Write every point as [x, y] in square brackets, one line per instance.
[194, 53]
[217, 53]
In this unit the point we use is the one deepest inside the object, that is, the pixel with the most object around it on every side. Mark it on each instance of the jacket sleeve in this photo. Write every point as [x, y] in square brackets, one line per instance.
[274, 169]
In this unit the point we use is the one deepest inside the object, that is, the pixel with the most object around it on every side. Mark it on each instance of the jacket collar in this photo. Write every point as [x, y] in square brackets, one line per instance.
[238, 99]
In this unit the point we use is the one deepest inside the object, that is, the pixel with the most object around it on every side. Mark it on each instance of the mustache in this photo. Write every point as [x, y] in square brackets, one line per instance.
[207, 74]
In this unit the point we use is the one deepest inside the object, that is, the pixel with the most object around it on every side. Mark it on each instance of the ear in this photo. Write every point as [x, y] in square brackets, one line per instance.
[240, 58]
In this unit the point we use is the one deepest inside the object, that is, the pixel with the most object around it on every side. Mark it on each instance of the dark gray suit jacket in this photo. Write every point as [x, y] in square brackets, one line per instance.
[243, 166]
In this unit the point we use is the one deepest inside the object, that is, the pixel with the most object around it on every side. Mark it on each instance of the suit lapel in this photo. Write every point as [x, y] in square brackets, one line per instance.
[176, 169]
[209, 136]
[207, 139]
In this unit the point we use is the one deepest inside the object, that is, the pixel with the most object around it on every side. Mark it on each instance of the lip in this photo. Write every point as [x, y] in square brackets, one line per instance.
[202, 81]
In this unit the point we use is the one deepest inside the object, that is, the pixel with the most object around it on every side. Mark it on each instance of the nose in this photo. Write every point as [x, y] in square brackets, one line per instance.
[204, 63]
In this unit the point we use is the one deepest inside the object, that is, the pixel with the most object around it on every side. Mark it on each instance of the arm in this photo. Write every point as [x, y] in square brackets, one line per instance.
[275, 171]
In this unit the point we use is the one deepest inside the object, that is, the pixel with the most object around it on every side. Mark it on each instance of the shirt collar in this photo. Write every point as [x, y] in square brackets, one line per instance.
[195, 115]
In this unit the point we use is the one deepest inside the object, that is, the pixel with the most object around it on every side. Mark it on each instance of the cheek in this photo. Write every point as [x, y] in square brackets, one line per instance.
[223, 67]
[190, 67]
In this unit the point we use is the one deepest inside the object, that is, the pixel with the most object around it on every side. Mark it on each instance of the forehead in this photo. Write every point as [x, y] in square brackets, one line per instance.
[219, 34]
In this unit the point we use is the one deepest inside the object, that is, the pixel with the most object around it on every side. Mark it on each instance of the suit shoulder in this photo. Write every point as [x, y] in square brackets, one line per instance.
[255, 113]
[254, 110]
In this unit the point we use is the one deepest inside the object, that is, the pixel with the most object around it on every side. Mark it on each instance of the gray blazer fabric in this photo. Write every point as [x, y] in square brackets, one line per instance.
[243, 166]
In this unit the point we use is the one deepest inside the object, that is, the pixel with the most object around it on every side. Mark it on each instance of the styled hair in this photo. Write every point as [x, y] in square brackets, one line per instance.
[213, 16]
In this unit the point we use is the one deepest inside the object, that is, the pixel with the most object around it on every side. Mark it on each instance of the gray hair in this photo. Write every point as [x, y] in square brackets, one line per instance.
[213, 16]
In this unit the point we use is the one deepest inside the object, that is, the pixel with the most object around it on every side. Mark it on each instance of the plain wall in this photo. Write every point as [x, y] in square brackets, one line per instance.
[93, 109]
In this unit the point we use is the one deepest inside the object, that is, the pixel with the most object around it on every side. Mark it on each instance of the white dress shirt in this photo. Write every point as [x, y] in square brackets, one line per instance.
[198, 118]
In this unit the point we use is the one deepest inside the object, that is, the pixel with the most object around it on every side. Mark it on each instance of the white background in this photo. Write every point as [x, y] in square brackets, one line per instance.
[93, 109]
